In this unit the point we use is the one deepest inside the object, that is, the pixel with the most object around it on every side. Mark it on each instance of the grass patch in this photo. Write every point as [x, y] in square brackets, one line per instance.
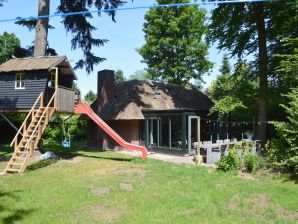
[91, 186]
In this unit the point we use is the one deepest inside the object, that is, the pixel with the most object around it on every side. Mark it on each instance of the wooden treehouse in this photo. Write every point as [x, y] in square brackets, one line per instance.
[39, 86]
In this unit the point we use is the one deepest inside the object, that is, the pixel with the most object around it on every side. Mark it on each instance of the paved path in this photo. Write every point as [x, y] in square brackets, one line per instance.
[178, 159]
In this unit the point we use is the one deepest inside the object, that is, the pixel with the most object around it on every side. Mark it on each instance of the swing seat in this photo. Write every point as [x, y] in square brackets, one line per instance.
[66, 144]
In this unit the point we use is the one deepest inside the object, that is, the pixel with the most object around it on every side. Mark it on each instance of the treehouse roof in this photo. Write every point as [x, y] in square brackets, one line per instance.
[38, 63]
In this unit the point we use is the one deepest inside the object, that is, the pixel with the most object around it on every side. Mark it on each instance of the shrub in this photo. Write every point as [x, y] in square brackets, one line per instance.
[282, 152]
[253, 162]
[60, 127]
[229, 162]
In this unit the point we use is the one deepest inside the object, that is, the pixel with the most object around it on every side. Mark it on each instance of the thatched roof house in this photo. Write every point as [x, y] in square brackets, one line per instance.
[129, 107]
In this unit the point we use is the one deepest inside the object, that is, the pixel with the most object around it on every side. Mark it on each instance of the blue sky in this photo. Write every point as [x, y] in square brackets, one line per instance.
[125, 36]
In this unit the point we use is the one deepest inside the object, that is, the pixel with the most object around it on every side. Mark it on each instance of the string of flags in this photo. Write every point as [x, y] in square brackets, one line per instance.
[236, 123]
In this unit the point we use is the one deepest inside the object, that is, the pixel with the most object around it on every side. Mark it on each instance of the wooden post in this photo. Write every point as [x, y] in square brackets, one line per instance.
[47, 118]
[24, 128]
[56, 89]
[41, 99]
[16, 144]
[39, 132]
[147, 132]
[183, 122]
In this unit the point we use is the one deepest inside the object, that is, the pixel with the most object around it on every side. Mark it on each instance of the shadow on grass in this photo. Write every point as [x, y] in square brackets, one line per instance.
[5, 153]
[41, 164]
[292, 177]
[15, 215]
[108, 158]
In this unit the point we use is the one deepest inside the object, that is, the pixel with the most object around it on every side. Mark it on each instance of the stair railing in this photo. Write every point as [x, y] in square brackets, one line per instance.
[23, 127]
[45, 113]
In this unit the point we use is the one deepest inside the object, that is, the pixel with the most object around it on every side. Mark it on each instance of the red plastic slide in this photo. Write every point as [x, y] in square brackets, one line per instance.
[86, 109]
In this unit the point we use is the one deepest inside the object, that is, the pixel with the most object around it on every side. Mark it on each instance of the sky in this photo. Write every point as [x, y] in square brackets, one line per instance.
[124, 36]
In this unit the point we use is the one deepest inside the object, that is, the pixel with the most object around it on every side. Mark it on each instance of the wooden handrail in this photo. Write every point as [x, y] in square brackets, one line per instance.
[27, 117]
[43, 114]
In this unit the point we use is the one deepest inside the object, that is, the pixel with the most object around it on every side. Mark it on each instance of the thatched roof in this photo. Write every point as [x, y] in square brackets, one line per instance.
[134, 96]
[38, 63]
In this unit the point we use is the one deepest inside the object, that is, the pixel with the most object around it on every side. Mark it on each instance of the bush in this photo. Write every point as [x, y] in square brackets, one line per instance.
[60, 127]
[253, 162]
[282, 152]
[229, 162]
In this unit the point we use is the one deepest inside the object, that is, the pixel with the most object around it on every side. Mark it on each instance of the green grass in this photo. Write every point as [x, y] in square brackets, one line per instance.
[106, 187]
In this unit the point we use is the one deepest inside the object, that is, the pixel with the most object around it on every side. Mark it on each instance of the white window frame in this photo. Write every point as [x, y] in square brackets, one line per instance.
[19, 79]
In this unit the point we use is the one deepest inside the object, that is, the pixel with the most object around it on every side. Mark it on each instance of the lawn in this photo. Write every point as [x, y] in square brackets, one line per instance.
[107, 187]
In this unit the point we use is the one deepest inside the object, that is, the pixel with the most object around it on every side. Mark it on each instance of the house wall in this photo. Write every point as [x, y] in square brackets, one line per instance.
[127, 129]
[105, 89]
[11, 98]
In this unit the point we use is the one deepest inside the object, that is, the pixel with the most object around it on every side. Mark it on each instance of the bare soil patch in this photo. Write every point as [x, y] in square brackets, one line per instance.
[245, 176]
[100, 191]
[188, 211]
[130, 171]
[104, 213]
[126, 186]
[258, 204]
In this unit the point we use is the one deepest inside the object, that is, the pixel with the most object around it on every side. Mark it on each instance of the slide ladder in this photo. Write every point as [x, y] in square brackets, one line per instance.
[31, 131]
[82, 108]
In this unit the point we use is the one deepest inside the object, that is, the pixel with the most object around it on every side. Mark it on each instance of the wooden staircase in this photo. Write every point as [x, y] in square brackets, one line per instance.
[31, 131]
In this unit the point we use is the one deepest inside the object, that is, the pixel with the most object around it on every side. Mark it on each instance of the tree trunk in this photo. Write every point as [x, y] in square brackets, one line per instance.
[263, 71]
[41, 28]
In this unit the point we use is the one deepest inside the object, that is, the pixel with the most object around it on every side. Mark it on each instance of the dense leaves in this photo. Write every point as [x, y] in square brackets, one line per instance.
[90, 97]
[244, 29]
[82, 29]
[174, 50]
[234, 93]
[119, 76]
[283, 152]
[9, 44]
[63, 127]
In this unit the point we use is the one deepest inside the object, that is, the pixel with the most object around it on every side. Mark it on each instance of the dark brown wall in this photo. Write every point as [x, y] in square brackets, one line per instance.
[105, 88]
[127, 129]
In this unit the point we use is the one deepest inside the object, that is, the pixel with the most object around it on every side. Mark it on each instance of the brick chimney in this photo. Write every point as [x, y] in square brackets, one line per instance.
[105, 88]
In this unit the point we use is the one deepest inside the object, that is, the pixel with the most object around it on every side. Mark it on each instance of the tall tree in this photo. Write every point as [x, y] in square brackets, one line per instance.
[9, 43]
[41, 29]
[175, 50]
[119, 76]
[246, 28]
[77, 25]
[232, 92]
[139, 75]
[90, 97]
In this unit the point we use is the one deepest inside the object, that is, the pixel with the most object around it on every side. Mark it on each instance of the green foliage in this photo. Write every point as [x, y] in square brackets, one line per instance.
[234, 93]
[61, 126]
[119, 76]
[139, 75]
[253, 162]
[9, 43]
[90, 97]
[75, 87]
[229, 162]
[283, 151]
[226, 105]
[287, 68]
[174, 50]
